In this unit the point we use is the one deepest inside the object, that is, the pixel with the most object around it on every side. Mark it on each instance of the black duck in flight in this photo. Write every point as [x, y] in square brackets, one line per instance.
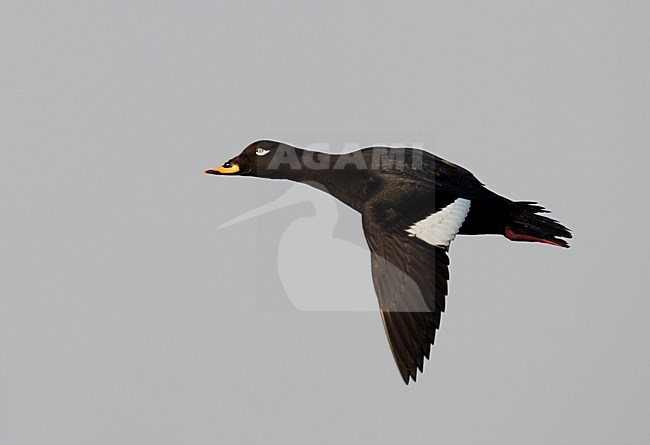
[412, 204]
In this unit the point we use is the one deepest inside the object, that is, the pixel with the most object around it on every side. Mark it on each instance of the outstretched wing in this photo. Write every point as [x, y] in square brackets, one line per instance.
[410, 269]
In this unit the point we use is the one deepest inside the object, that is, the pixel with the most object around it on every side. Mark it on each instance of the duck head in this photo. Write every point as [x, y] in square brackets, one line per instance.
[266, 159]
[343, 176]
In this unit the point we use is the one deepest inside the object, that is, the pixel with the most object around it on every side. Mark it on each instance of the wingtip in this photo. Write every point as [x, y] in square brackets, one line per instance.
[409, 375]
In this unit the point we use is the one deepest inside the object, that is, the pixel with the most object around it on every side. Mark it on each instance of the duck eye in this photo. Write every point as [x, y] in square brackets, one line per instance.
[261, 152]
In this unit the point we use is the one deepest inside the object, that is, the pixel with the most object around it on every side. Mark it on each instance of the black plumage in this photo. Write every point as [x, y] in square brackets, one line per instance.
[412, 205]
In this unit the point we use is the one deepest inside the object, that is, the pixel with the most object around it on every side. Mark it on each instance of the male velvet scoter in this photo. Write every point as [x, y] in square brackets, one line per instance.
[412, 204]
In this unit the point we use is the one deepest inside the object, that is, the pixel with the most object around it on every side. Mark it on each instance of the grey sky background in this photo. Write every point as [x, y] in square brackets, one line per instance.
[125, 318]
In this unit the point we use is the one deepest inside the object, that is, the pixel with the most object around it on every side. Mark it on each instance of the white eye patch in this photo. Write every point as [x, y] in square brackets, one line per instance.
[261, 152]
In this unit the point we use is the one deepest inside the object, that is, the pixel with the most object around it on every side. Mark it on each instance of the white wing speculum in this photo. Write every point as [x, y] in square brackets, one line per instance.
[440, 228]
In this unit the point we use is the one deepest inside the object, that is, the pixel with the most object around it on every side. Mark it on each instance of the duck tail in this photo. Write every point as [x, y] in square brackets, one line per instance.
[524, 223]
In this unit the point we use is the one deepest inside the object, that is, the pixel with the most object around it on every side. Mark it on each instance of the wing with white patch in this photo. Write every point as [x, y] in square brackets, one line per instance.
[408, 226]
[440, 228]
[410, 279]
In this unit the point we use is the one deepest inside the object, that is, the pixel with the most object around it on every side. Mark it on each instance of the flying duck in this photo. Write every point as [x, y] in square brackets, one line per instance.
[412, 205]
